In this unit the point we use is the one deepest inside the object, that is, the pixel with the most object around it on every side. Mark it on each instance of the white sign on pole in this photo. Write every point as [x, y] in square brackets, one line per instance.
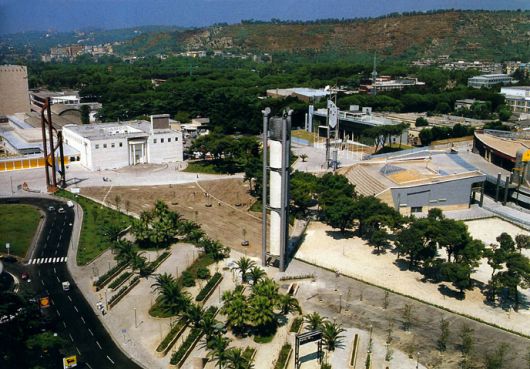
[333, 114]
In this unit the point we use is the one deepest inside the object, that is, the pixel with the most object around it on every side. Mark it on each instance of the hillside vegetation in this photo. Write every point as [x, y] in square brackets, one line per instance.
[460, 34]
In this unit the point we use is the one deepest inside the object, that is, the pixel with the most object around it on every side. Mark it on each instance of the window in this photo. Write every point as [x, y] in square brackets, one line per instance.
[104, 146]
[154, 140]
[112, 145]
[97, 146]
[416, 209]
[161, 140]
[121, 144]
[176, 139]
[169, 139]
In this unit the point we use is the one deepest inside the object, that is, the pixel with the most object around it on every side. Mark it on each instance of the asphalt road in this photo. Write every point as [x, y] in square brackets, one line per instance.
[47, 268]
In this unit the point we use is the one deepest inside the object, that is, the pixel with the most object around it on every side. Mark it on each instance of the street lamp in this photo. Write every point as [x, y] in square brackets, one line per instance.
[135, 321]
[8, 246]
[418, 360]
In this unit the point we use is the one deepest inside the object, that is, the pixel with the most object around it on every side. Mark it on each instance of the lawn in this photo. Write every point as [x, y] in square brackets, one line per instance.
[93, 242]
[18, 224]
[216, 166]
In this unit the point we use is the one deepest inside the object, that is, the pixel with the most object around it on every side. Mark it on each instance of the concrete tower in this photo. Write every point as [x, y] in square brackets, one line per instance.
[374, 77]
[14, 94]
[279, 144]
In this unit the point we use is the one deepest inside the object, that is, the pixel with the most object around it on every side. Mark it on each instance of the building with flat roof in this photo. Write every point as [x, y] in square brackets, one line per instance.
[489, 80]
[301, 93]
[386, 83]
[115, 145]
[14, 97]
[517, 98]
[418, 181]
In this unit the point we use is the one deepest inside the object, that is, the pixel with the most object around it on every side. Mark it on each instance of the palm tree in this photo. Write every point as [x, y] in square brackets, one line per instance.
[243, 265]
[162, 281]
[314, 321]
[208, 325]
[124, 251]
[262, 315]
[235, 308]
[193, 315]
[331, 336]
[138, 262]
[268, 288]
[218, 346]
[256, 274]
[288, 304]
[173, 299]
[236, 360]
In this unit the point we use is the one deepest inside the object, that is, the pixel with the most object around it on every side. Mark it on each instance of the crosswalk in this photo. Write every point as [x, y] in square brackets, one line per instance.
[48, 260]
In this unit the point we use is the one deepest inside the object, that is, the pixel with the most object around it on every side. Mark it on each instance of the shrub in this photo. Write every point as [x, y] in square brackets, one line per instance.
[107, 277]
[297, 323]
[206, 291]
[118, 281]
[187, 279]
[177, 329]
[182, 352]
[203, 273]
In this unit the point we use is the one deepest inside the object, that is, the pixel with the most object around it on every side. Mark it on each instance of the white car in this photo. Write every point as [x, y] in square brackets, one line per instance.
[61, 211]
[66, 286]
[51, 208]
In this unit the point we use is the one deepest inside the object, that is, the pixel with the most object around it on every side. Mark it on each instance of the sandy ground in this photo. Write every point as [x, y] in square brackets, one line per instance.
[223, 220]
[487, 230]
[353, 257]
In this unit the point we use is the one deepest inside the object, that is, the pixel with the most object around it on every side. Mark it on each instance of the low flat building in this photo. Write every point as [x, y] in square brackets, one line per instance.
[489, 80]
[385, 83]
[517, 98]
[116, 145]
[467, 103]
[301, 93]
[419, 181]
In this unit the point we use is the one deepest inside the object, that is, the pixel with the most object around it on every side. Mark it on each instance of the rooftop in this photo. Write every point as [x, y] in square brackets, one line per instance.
[130, 129]
[507, 145]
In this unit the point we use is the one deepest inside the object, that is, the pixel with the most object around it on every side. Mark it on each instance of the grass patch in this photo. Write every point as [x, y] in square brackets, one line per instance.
[92, 241]
[180, 355]
[249, 353]
[297, 323]
[216, 166]
[120, 280]
[304, 135]
[177, 329]
[283, 356]
[256, 206]
[264, 339]
[207, 290]
[18, 224]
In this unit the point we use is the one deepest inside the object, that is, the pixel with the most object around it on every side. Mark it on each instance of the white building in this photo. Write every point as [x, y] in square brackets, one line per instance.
[517, 98]
[489, 80]
[116, 145]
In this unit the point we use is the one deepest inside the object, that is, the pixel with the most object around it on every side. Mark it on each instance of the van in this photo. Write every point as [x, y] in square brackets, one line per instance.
[66, 286]
[70, 204]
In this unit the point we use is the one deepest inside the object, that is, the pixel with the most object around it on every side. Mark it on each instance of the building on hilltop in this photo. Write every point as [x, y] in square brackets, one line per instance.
[517, 98]
[116, 145]
[386, 83]
[489, 80]
[14, 96]
[301, 93]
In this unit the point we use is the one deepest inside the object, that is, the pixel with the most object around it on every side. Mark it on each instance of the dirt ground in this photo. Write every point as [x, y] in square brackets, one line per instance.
[223, 220]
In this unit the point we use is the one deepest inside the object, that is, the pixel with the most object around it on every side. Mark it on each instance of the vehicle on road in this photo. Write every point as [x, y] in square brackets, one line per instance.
[8, 259]
[51, 208]
[61, 211]
[245, 243]
[66, 286]
[25, 276]
[70, 204]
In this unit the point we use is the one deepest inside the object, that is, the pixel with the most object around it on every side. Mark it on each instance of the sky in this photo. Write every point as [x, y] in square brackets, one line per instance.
[68, 15]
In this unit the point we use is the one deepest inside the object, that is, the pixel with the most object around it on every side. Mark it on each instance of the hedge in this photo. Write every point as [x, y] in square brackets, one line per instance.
[249, 353]
[120, 280]
[123, 291]
[283, 357]
[209, 288]
[297, 323]
[156, 263]
[107, 277]
[172, 336]
[184, 350]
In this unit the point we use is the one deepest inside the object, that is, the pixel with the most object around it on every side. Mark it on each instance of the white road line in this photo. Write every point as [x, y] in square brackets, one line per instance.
[83, 319]
[69, 298]
[55, 260]
[60, 236]
[91, 333]
[87, 364]
[71, 338]
[58, 280]
[38, 273]
[58, 312]
[75, 308]
[47, 238]
[55, 271]
[46, 260]
[97, 343]
[110, 359]
[42, 282]
[79, 352]
[64, 323]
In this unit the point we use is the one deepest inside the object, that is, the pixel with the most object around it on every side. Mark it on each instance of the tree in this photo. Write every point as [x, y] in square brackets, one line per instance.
[217, 346]
[314, 321]
[496, 359]
[85, 114]
[332, 338]
[459, 274]
[467, 340]
[256, 274]
[173, 300]
[339, 214]
[193, 315]
[138, 263]
[287, 304]
[421, 122]
[236, 360]
[124, 251]
[407, 317]
[235, 308]
[162, 281]
[380, 239]
[522, 242]
[444, 335]
[303, 157]
[243, 265]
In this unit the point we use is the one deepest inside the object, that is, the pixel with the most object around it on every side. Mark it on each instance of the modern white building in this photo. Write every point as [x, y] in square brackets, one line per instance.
[489, 80]
[517, 98]
[115, 145]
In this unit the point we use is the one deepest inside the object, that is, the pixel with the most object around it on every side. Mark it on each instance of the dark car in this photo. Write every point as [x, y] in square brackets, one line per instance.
[24, 276]
[9, 259]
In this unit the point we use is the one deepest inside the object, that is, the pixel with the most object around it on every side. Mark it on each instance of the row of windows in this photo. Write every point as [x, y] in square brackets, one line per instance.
[112, 145]
[162, 140]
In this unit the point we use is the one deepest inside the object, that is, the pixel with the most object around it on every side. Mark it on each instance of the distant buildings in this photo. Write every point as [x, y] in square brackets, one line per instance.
[386, 83]
[517, 98]
[467, 103]
[14, 94]
[489, 80]
[116, 145]
[70, 52]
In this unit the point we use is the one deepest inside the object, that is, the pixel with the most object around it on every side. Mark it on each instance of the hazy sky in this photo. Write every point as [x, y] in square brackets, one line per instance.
[65, 15]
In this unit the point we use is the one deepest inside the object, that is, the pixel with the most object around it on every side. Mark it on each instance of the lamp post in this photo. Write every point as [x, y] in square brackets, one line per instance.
[418, 360]
[135, 321]
[8, 247]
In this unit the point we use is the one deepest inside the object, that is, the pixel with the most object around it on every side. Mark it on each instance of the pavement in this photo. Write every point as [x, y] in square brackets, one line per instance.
[47, 267]
[316, 158]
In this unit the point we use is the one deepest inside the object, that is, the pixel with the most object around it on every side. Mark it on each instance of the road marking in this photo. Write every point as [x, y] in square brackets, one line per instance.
[110, 359]
[60, 236]
[75, 308]
[97, 343]
[69, 298]
[87, 364]
[47, 238]
[71, 338]
[83, 319]
[79, 352]
[55, 271]
[46, 261]
[91, 333]
[42, 281]
[58, 280]
[56, 252]
[58, 312]
[64, 323]
[55, 260]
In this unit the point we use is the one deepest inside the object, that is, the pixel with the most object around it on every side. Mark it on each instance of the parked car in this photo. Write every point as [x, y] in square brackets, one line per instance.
[61, 211]
[51, 208]
[66, 286]
[25, 276]
[70, 204]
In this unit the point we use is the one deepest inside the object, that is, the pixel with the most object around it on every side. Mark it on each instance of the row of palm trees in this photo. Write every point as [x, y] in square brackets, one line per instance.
[125, 252]
[332, 337]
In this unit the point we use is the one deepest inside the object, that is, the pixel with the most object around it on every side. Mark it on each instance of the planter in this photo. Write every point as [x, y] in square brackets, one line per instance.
[107, 277]
[283, 357]
[121, 294]
[180, 356]
[207, 290]
[121, 282]
[176, 331]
